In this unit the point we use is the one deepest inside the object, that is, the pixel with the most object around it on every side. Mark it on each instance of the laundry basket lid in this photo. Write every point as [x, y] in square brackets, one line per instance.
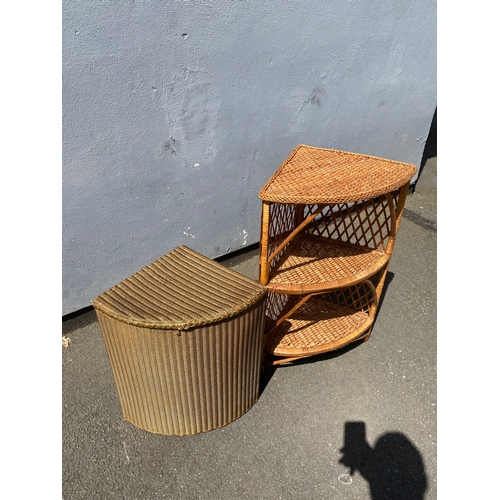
[181, 290]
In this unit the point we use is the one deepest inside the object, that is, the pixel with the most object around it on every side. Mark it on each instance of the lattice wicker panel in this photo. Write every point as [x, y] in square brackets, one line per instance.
[325, 322]
[278, 304]
[367, 223]
[282, 221]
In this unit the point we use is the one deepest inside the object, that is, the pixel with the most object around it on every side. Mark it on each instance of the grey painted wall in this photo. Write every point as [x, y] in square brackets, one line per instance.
[175, 113]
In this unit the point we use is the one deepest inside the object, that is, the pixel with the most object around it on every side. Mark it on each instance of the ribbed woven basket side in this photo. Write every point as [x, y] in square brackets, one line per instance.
[186, 382]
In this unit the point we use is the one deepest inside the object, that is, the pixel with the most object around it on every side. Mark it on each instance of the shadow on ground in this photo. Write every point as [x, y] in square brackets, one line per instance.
[430, 149]
[393, 467]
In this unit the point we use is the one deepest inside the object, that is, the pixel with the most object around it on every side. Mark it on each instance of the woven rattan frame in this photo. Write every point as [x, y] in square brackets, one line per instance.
[329, 222]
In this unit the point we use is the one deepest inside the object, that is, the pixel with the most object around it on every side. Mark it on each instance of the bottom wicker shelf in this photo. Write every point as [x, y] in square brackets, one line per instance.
[320, 325]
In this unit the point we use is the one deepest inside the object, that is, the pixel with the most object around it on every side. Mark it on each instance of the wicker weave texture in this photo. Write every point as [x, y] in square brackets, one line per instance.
[306, 248]
[367, 223]
[323, 323]
[328, 228]
[327, 176]
[312, 264]
[282, 220]
[181, 290]
[185, 382]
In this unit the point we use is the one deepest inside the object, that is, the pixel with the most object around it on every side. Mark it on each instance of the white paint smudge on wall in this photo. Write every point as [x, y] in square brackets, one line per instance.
[187, 233]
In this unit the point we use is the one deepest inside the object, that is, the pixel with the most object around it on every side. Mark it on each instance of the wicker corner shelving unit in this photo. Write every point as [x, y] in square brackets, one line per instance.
[329, 224]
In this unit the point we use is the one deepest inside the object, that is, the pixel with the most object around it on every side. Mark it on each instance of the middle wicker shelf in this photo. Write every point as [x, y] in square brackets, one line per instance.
[314, 263]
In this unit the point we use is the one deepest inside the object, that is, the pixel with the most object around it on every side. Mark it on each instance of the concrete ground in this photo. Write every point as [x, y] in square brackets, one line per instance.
[381, 395]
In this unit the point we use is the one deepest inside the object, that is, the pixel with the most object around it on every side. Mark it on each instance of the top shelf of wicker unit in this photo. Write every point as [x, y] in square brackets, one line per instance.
[312, 175]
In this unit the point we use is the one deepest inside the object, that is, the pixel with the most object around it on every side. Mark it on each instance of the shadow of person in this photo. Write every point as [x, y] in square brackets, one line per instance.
[393, 467]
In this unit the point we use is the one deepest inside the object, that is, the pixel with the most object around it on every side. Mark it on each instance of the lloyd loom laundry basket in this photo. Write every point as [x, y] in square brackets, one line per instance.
[184, 336]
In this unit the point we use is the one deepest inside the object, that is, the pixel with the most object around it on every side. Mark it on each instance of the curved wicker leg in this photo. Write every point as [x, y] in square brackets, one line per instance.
[367, 334]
